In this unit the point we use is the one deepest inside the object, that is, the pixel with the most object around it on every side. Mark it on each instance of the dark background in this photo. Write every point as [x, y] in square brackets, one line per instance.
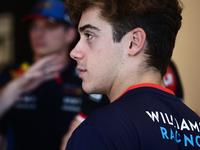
[19, 8]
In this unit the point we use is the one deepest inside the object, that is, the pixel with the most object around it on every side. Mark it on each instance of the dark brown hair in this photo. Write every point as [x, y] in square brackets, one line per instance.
[160, 19]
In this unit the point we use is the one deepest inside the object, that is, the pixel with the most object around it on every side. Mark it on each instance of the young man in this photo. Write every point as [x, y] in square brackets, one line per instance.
[36, 114]
[171, 80]
[123, 52]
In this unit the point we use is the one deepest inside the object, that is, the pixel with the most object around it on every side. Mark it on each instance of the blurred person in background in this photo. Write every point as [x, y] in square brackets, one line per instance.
[172, 80]
[41, 96]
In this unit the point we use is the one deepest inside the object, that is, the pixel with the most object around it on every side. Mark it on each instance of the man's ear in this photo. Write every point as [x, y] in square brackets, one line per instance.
[71, 35]
[137, 39]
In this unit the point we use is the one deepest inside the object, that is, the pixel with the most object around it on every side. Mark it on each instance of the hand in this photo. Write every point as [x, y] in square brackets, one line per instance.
[45, 69]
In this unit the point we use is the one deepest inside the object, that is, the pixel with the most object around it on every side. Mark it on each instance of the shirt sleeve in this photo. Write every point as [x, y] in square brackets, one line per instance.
[6, 77]
[90, 138]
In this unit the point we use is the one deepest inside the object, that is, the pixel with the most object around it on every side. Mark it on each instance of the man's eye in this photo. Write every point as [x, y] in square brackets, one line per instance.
[89, 36]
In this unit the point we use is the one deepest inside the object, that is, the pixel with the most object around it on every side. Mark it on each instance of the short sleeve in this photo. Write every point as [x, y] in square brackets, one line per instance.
[90, 138]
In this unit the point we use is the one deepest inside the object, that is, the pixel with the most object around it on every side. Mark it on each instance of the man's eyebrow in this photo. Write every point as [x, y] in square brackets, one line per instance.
[81, 29]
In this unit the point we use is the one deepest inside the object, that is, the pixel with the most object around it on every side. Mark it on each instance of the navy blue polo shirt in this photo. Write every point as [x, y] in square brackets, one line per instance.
[144, 117]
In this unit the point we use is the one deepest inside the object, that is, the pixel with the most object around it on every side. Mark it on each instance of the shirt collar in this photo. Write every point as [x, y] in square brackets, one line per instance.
[147, 85]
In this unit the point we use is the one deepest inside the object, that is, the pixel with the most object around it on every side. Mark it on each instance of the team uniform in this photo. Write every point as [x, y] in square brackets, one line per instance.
[171, 80]
[144, 117]
[41, 117]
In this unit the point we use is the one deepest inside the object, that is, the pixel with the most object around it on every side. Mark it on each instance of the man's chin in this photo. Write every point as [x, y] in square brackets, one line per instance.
[86, 89]
[90, 89]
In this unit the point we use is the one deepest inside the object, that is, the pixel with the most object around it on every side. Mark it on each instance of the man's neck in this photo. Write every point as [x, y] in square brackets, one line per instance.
[127, 80]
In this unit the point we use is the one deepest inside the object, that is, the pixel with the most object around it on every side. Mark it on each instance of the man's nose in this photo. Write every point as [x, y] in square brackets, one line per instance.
[76, 53]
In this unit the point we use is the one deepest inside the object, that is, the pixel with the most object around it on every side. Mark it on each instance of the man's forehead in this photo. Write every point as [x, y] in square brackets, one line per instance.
[90, 18]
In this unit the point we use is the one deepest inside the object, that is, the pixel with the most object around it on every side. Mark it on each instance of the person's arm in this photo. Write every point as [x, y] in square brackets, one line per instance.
[93, 102]
[74, 124]
[43, 70]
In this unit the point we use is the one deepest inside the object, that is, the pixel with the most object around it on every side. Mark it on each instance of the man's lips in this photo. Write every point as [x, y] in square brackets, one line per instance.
[82, 71]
